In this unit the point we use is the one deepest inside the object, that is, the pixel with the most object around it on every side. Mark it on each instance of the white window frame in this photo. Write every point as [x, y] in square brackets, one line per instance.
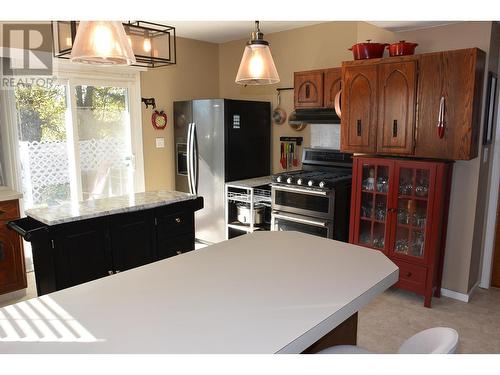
[72, 75]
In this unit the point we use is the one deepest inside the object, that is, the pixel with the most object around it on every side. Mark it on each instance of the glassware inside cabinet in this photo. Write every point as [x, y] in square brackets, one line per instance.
[406, 181]
[366, 205]
[368, 182]
[416, 247]
[365, 233]
[378, 235]
[380, 208]
[422, 183]
[382, 185]
[419, 216]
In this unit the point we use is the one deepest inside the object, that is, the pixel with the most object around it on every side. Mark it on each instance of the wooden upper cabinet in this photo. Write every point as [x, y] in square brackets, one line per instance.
[359, 109]
[396, 112]
[308, 89]
[332, 86]
[452, 81]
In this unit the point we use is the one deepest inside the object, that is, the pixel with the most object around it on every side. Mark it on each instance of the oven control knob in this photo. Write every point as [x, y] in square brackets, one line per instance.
[322, 184]
[310, 183]
[299, 181]
[289, 180]
[278, 179]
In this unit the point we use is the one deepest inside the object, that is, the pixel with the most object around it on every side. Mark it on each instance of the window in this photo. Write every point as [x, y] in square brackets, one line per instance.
[76, 139]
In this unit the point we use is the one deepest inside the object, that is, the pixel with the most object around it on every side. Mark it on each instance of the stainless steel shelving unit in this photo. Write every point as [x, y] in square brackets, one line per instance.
[255, 191]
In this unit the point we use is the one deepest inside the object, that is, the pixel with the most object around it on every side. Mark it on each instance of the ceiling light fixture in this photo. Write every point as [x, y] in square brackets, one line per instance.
[257, 64]
[103, 43]
[153, 45]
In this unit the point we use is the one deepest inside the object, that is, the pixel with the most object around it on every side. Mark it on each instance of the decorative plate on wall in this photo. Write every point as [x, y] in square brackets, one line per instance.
[159, 120]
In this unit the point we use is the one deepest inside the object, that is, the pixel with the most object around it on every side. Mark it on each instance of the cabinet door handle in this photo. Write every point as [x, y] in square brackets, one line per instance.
[358, 128]
[2, 252]
[308, 91]
[395, 128]
[440, 123]
[408, 274]
[178, 220]
[110, 272]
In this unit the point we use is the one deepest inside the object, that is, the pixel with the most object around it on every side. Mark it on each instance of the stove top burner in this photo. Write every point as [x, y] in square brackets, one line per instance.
[321, 179]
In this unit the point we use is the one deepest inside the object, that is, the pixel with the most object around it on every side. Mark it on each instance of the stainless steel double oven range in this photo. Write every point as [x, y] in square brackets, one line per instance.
[316, 199]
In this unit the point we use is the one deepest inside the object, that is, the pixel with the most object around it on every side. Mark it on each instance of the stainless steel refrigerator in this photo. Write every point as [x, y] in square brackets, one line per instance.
[216, 141]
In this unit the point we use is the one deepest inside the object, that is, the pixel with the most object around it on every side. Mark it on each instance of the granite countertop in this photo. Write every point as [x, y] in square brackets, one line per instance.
[251, 182]
[68, 212]
[7, 194]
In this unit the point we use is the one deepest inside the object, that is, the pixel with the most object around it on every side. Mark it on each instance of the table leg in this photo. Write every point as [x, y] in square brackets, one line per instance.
[344, 334]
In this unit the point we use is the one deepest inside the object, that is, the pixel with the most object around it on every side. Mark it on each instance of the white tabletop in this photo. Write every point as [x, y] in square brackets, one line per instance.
[265, 292]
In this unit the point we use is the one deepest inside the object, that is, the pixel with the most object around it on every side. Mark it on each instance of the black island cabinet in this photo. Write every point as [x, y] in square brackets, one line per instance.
[68, 254]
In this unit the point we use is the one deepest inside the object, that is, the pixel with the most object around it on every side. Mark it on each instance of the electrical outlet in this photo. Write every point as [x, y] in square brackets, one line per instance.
[160, 142]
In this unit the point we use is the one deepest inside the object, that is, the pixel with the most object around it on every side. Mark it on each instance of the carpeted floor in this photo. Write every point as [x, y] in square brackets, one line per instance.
[396, 315]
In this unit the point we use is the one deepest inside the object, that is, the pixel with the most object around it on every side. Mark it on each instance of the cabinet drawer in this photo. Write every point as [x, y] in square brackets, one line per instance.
[169, 247]
[175, 223]
[411, 276]
[9, 210]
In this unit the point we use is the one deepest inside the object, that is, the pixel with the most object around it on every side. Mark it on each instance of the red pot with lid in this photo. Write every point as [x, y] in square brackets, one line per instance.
[401, 48]
[368, 50]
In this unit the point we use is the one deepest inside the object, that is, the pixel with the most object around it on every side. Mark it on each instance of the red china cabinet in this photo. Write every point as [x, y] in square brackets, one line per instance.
[400, 207]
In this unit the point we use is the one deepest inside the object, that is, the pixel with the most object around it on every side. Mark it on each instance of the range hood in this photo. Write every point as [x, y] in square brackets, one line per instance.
[314, 116]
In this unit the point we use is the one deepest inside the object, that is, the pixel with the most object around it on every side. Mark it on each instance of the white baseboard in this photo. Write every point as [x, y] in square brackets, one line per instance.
[459, 296]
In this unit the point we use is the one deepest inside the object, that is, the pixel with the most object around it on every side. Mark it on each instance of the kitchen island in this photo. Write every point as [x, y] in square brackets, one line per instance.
[265, 292]
[78, 242]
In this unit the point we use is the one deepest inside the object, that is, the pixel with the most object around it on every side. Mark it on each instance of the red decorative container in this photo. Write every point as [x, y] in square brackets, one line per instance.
[401, 48]
[368, 50]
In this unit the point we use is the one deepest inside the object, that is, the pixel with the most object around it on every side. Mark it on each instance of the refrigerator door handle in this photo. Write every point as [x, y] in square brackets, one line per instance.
[196, 169]
[190, 158]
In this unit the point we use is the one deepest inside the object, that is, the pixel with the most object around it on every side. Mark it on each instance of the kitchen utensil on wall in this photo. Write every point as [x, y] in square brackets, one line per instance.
[298, 127]
[401, 48]
[279, 114]
[368, 50]
[282, 156]
[289, 151]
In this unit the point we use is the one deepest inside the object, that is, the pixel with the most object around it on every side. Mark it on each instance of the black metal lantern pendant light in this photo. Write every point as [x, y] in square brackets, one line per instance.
[257, 64]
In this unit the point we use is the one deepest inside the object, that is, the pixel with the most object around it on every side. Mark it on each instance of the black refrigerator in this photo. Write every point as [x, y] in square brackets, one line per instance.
[216, 141]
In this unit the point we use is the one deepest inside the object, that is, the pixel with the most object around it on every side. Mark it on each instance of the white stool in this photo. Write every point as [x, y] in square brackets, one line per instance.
[438, 340]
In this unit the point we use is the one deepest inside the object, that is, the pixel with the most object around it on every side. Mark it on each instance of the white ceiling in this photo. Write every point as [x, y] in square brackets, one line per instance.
[408, 25]
[225, 31]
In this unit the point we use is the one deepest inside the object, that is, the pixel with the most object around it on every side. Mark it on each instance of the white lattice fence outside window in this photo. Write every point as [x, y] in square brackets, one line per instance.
[45, 165]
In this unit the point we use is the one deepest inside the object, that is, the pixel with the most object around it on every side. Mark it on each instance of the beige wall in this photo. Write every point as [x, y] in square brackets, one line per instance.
[313, 47]
[195, 76]
[208, 70]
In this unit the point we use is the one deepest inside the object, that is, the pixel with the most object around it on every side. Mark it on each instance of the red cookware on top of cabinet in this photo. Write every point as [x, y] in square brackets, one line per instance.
[400, 207]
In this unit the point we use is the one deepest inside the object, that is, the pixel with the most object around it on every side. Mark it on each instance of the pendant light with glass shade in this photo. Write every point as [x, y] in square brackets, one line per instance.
[102, 43]
[257, 64]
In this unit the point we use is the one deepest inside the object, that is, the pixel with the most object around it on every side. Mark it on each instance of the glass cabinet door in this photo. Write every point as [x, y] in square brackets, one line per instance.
[373, 204]
[413, 184]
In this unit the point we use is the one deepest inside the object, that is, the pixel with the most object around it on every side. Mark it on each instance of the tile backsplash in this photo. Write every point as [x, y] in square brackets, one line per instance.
[325, 136]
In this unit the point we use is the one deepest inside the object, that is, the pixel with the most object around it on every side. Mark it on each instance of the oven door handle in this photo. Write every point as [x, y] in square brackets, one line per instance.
[300, 220]
[299, 190]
